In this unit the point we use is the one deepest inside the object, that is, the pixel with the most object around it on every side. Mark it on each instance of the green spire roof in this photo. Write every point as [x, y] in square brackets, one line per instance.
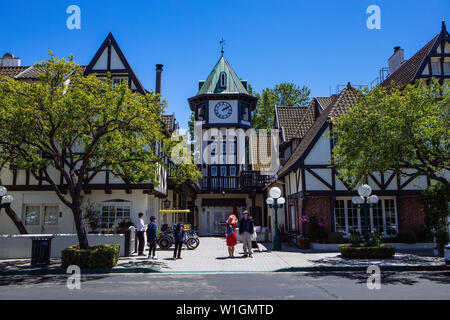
[212, 84]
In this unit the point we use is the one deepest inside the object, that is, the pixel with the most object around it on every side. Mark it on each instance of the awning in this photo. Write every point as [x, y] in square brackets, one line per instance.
[175, 211]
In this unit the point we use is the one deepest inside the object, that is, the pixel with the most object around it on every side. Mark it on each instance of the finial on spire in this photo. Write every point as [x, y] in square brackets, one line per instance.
[222, 44]
[443, 26]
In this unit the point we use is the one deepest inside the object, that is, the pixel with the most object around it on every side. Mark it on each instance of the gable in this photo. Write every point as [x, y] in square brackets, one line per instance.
[110, 58]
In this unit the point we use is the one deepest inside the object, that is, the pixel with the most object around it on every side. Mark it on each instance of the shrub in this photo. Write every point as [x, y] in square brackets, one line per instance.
[335, 237]
[380, 252]
[406, 236]
[98, 256]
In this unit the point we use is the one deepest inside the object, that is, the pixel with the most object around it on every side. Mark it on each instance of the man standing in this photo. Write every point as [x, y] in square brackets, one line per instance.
[140, 234]
[246, 227]
[178, 234]
[151, 237]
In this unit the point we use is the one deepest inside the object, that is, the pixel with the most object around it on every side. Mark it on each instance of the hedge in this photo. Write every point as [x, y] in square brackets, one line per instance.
[381, 252]
[98, 256]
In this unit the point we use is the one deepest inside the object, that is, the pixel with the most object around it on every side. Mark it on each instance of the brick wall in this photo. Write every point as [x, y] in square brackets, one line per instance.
[411, 214]
[320, 207]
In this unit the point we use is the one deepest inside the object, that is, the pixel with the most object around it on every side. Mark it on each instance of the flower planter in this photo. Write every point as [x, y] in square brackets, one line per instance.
[303, 243]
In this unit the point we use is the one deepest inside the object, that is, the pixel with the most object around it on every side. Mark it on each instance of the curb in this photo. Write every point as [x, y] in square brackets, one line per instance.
[60, 270]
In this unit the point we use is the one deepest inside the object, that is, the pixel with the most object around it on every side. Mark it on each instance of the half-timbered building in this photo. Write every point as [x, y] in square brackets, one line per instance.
[34, 201]
[309, 180]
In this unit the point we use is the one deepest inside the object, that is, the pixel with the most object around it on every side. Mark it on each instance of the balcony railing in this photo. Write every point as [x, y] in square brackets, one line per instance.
[247, 180]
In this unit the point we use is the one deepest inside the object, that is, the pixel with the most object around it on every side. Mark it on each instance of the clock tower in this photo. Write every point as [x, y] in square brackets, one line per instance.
[223, 105]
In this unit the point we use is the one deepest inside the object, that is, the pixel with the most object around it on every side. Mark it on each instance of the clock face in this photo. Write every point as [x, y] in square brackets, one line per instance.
[223, 110]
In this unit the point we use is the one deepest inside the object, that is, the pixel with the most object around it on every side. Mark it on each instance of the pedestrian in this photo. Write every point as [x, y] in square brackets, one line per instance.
[140, 234]
[230, 227]
[151, 238]
[178, 234]
[246, 228]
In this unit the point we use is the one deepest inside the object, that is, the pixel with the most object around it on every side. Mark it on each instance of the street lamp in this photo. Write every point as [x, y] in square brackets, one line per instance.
[275, 201]
[5, 199]
[365, 201]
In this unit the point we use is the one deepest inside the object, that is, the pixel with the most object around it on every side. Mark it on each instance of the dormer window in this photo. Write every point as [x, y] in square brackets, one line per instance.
[200, 113]
[223, 80]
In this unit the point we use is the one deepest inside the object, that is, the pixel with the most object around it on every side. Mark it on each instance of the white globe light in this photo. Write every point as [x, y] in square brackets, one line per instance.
[275, 192]
[7, 199]
[358, 200]
[364, 190]
[281, 200]
[269, 201]
[3, 191]
[373, 199]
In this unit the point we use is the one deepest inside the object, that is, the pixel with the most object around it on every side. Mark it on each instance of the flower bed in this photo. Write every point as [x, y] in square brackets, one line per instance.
[382, 251]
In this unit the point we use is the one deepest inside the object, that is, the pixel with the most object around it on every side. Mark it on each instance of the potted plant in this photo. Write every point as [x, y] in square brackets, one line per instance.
[123, 226]
[91, 215]
[303, 242]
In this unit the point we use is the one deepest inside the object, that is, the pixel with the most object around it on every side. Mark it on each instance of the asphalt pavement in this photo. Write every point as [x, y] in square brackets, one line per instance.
[231, 286]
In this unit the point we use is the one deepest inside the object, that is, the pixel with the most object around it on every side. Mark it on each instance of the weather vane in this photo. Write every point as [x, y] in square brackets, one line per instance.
[222, 44]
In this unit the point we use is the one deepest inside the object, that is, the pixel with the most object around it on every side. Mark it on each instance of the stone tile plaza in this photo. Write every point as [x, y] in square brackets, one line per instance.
[225, 151]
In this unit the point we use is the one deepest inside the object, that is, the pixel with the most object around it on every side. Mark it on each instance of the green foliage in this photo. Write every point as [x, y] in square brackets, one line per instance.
[123, 226]
[406, 236]
[316, 228]
[103, 256]
[436, 199]
[375, 239]
[91, 215]
[376, 252]
[283, 94]
[356, 240]
[407, 128]
[335, 237]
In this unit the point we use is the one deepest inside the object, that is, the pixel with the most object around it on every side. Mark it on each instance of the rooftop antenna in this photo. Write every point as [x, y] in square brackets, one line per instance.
[222, 44]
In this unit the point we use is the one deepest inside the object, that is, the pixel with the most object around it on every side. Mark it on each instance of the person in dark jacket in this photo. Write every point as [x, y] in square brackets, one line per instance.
[151, 237]
[178, 234]
[246, 227]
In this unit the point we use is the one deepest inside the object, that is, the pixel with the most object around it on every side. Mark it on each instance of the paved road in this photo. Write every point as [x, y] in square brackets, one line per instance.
[320, 285]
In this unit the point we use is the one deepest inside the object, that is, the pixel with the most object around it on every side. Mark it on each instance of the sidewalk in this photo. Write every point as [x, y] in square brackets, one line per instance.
[212, 257]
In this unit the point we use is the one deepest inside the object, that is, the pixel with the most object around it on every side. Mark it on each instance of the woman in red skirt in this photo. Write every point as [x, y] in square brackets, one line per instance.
[230, 227]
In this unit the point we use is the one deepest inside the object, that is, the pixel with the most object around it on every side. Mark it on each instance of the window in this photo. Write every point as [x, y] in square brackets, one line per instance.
[447, 66]
[41, 214]
[382, 217]
[233, 171]
[112, 213]
[200, 113]
[214, 171]
[224, 148]
[245, 113]
[51, 215]
[118, 81]
[223, 171]
[32, 215]
[223, 80]
[435, 66]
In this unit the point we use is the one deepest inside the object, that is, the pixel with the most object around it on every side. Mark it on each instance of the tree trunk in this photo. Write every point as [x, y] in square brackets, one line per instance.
[15, 218]
[78, 218]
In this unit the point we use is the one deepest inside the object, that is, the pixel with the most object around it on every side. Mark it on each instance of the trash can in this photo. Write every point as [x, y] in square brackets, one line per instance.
[41, 248]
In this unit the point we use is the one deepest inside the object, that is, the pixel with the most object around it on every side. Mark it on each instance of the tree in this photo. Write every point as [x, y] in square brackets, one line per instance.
[436, 200]
[283, 94]
[406, 131]
[289, 94]
[78, 129]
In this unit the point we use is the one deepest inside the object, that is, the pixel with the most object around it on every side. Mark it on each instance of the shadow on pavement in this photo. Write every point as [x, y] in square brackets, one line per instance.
[44, 279]
[387, 277]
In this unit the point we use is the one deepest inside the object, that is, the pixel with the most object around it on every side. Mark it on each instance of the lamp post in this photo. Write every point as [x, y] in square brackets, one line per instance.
[365, 201]
[275, 201]
[5, 199]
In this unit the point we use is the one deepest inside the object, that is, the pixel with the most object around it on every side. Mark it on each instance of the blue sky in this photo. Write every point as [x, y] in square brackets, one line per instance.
[316, 43]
